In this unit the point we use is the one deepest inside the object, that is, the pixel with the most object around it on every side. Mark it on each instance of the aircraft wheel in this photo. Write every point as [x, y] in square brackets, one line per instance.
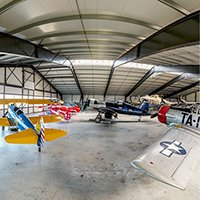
[97, 119]
[39, 149]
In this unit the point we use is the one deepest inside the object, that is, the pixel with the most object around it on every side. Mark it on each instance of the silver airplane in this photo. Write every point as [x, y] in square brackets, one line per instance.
[173, 157]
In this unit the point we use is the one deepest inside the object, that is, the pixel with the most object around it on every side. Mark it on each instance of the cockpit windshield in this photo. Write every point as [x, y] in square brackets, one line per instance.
[195, 109]
[16, 108]
[19, 112]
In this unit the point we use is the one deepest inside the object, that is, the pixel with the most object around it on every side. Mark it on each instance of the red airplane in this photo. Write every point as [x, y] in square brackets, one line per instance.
[66, 111]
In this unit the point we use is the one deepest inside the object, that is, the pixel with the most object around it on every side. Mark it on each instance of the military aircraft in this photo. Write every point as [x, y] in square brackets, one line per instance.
[29, 133]
[173, 157]
[187, 103]
[110, 109]
[155, 101]
[66, 111]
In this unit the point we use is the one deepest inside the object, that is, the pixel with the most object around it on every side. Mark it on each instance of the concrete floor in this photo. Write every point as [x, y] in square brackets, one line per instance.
[91, 163]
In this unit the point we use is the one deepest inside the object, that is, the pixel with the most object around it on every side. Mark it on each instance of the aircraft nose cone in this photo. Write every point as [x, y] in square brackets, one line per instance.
[162, 114]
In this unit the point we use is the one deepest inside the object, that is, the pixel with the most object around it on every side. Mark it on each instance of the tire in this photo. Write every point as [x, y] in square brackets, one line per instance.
[97, 119]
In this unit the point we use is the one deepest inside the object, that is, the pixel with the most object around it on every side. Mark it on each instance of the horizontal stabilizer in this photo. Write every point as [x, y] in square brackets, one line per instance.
[53, 134]
[27, 136]
[32, 101]
[6, 122]
[172, 158]
[47, 118]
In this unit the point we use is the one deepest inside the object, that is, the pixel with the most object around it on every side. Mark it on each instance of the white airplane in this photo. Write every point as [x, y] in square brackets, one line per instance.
[187, 103]
[156, 101]
[173, 157]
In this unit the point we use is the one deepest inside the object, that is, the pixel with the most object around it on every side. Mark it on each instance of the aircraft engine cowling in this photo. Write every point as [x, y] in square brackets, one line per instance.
[167, 115]
[178, 116]
[162, 114]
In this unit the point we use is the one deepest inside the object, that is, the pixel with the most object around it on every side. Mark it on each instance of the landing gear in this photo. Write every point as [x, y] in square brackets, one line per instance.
[139, 118]
[98, 119]
[39, 148]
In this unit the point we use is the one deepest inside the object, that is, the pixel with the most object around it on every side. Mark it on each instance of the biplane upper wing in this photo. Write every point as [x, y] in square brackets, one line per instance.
[47, 118]
[27, 136]
[6, 122]
[172, 158]
[32, 101]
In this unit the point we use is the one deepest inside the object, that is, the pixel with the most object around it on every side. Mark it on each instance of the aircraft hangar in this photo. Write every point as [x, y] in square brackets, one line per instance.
[104, 49]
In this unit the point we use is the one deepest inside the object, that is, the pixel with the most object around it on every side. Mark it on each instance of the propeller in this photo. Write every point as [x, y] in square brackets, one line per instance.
[162, 101]
[154, 115]
[86, 104]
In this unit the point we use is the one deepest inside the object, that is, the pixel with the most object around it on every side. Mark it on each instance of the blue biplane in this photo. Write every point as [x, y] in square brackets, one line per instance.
[32, 130]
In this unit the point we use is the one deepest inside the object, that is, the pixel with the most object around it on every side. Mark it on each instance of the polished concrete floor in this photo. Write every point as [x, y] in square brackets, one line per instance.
[91, 163]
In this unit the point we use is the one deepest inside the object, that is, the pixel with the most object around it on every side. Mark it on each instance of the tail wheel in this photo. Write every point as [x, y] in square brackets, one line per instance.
[98, 119]
[39, 149]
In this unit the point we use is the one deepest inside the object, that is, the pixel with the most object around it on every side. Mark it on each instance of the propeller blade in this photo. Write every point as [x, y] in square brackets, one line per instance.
[154, 115]
[85, 105]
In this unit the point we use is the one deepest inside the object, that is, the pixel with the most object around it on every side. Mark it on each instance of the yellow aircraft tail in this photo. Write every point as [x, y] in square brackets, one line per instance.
[29, 136]
[53, 134]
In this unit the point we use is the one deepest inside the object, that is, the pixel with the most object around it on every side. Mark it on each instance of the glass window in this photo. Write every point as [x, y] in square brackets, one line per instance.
[16, 108]
[19, 112]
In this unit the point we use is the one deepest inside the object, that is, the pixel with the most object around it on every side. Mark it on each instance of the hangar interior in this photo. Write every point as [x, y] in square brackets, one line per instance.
[105, 49]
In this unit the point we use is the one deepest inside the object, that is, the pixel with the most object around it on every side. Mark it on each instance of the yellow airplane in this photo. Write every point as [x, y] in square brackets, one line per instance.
[32, 128]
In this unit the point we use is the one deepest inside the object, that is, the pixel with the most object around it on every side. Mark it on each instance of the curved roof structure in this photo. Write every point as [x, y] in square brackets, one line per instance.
[105, 47]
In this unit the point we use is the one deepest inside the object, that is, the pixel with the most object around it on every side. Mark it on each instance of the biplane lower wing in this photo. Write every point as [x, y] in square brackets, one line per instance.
[6, 122]
[47, 118]
[27, 136]
[172, 158]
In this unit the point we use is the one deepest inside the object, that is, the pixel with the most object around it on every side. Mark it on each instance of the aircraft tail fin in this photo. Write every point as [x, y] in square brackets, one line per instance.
[145, 105]
[41, 130]
[27, 136]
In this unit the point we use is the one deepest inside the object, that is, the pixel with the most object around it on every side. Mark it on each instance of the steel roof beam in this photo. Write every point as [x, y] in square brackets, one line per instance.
[176, 79]
[164, 39]
[92, 52]
[9, 5]
[83, 17]
[14, 45]
[102, 42]
[92, 48]
[75, 77]
[54, 67]
[181, 33]
[192, 71]
[54, 77]
[34, 69]
[144, 78]
[182, 89]
[88, 32]
[13, 65]
[175, 6]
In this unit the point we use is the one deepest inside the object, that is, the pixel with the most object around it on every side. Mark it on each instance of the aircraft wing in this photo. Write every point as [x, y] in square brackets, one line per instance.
[172, 158]
[27, 136]
[6, 122]
[47, 118]
[52, 134]
[32, 101]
